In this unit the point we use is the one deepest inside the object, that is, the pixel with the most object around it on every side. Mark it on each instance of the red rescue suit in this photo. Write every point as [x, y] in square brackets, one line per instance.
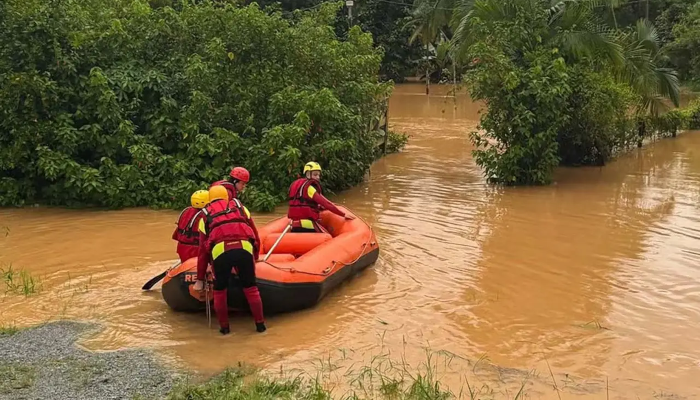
[225, 225]
[187, 234]
[305, 202]
[227, 229]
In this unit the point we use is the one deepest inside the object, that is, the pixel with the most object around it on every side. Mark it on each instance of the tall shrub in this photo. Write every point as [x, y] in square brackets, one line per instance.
[601, 123]
[524, 85]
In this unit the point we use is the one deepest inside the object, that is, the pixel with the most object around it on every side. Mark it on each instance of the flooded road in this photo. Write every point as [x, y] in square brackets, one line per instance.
[595, 278]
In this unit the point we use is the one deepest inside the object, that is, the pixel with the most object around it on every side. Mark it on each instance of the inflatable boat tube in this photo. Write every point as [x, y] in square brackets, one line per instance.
[303, 268]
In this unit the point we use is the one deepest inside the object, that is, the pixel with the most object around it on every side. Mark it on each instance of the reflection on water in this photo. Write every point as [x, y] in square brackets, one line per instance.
[597, 275]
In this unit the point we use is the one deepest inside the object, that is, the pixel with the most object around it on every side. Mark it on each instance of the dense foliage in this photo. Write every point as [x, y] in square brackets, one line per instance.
[560, 84]
[389, 22]
[117, 103]
[523, 87]
[685, 48]
[597, 129]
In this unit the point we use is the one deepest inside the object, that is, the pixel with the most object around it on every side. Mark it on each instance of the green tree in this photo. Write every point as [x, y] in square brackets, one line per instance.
[523, 83]
[685, 49]
[387, 22]
[430, 24]
[533, 60]
[389, 25]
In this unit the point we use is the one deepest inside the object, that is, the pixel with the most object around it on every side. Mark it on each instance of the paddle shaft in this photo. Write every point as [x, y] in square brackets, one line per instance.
[289, 226]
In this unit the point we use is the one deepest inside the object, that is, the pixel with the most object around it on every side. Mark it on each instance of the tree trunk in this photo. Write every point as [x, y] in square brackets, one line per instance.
[454, 82]
[641, 130]
[647, 10]
[427, 72]
[612, 10]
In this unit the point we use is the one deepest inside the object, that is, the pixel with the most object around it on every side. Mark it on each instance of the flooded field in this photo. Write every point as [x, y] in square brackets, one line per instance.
[594, 280]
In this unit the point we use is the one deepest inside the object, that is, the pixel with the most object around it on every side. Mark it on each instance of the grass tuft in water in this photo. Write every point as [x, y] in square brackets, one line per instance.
[8, 329]
[245, 384]
[381, 379]
[19, 282]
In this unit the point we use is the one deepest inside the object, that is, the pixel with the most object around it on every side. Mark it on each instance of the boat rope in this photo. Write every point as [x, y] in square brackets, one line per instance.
[335, 263]
[207, 279]
[206, 294]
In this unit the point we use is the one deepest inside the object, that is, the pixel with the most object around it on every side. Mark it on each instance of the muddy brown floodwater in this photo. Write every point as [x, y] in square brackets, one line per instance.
[596, 276]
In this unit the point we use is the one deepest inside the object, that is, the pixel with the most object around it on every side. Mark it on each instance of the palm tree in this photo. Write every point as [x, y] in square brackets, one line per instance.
[645, 72]
[430, 19]
[578, 33]
[573, 26]
[575, 29]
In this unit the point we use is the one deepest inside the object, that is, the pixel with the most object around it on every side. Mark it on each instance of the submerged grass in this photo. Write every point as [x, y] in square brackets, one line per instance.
[246, 384]
[19, 282]
[381, 378]
[242, 384]
[8, 330]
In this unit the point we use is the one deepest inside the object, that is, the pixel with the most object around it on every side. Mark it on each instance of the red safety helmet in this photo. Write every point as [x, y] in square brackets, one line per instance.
[240, 174]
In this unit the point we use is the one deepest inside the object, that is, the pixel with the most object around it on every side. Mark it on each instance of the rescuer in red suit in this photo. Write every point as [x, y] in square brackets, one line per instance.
[187, 233]
[229, 239]
[306, 199]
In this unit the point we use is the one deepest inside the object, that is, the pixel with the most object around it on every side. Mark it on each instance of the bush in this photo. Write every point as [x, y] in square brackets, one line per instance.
[685, 49]
[673, 121]
[692, 113]
[524, 87]
[601, 124]
[396, 141]
[114, 103]
[538, 69]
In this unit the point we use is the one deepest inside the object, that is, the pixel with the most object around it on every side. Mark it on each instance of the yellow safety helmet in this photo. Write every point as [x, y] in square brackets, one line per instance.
[200, 198]
[312, 166]
[218, 192]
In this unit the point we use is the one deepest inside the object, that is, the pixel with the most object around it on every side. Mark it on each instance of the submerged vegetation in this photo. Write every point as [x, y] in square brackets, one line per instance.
[239, 384]
[384, 377]
[380, 379]
[19, 282]
[563, 83]
[8, 329]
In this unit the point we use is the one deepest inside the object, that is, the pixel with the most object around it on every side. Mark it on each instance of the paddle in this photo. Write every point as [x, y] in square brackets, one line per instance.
[157, 278]
[278, 241]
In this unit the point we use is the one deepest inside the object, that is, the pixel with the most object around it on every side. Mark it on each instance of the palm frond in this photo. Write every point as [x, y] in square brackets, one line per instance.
[669, 85]
[567, 8]
[644, 71]
[430, 18]
[461, 23]
[646, 34]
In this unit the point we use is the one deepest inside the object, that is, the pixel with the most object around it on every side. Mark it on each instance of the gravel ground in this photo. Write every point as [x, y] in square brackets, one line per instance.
[44, 363]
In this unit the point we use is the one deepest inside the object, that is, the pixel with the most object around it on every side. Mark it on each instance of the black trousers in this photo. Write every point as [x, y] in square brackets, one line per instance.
[238, 258]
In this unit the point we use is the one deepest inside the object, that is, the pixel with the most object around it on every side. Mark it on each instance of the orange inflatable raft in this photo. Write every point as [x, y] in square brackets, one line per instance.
[302, 269]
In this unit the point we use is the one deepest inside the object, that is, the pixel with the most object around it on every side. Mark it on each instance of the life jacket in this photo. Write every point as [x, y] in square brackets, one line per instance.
[187, 226]
[230, 188]
[300, 207]
[226, 222]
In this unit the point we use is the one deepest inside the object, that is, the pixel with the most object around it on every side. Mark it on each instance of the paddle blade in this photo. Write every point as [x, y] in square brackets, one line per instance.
[154, 280]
